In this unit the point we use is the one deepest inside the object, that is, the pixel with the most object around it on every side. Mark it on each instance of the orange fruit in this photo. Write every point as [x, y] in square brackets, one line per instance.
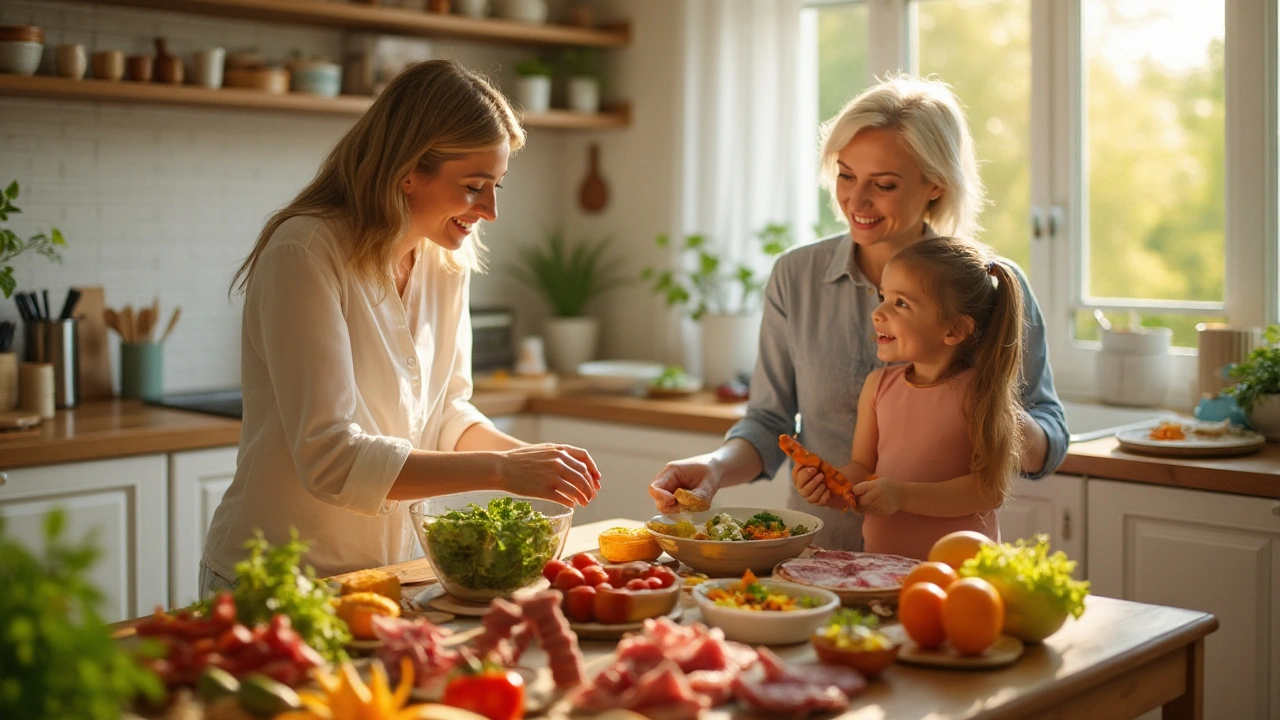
[972, 615]
[954, 548]
[938, 573]
[920, 612]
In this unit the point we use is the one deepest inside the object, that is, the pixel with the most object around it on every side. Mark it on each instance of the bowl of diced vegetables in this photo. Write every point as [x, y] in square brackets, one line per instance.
[764, 612]
[854, 638]
[488, 544]
[726, 541]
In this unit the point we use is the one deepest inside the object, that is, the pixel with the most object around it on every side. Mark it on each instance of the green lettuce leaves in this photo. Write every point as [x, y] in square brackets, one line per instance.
[499, 547]
[1029, 567]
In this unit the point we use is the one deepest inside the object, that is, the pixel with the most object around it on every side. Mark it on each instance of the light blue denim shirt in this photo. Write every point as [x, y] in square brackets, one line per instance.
[817, 345]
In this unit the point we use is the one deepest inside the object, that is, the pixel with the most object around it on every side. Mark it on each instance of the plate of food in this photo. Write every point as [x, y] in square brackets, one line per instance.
[674, 382]
[1185, 437]
[726, 541]
[857, 578]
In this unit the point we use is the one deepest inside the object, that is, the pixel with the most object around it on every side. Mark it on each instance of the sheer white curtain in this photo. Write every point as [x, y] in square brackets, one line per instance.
[743, 144]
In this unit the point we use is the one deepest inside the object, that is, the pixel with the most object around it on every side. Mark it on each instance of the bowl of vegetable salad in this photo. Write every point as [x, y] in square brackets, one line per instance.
[487, 544]
[725, 541]
[764, 612]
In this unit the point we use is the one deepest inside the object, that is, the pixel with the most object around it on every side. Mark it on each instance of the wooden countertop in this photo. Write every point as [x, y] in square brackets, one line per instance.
[1117, 660]
[119, 428]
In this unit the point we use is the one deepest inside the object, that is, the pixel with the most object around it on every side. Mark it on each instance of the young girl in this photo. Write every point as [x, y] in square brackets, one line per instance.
[939, 427]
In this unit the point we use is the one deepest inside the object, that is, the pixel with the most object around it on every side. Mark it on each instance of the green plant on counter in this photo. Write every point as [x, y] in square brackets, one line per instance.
[57, 657]
[12, 246]
[712, 286]
[567, 277]
[1259, 373]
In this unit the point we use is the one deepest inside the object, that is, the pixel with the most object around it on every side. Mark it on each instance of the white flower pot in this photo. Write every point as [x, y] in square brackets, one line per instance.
[584, 95]
[729, 346]
[530, 11]
[571, 341]
[533, 92]
[1265, 416]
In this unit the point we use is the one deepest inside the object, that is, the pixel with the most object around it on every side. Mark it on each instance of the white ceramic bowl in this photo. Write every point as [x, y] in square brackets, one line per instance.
[766, 627]
[20, 58]
[427, 512]
[619, 375]
[730, 558]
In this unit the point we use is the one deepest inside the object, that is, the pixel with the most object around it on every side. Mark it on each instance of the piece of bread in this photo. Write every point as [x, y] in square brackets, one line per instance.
[374, 580]
[690, 502]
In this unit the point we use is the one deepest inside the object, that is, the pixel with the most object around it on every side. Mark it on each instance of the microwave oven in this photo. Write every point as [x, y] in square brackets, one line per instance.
[492, 339]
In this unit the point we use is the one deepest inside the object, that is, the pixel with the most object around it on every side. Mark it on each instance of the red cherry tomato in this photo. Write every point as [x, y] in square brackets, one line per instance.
[654, 583]
[582, 561]
[637, 584]
[552, 569]
[665, 574]
[579, 604]
[568, 578]
[496, 693]
[595, 575]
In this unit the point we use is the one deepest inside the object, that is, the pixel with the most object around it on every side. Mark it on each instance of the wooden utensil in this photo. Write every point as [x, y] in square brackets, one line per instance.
[173, 320]
[594, 194]
[95, 351]
[126, 324]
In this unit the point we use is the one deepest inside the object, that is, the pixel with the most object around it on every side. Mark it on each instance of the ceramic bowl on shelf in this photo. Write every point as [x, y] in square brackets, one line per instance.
[20, 57]
[471, 568]
[315, 77]
[767, 627]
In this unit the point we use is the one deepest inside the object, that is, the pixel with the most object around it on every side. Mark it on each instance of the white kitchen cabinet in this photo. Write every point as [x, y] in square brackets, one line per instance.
[197, 480]
[1053, 505]
[1213, 552]
[124, 503]
[521, 427]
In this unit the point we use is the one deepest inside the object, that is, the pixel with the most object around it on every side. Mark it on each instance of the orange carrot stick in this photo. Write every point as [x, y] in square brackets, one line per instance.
[835, 481]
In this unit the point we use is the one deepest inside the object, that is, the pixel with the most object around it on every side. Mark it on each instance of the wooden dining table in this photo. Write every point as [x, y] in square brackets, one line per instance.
[1119, 660]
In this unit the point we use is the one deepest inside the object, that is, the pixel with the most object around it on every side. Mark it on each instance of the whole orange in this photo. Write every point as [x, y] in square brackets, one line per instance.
[954, 548]
[938, 573]
[920, 612]
[972, 615]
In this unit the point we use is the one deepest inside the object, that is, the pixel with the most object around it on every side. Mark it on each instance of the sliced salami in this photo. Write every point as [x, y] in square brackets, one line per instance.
[845, 570]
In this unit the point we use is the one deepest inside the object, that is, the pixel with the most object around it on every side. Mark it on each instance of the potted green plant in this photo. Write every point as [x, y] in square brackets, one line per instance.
[568, 278]
[533, 87]
[12, 246]
[581, 66]
[724, 298]
[1257, 388]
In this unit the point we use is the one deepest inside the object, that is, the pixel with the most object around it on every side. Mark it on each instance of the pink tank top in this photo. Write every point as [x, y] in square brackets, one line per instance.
[924, 437]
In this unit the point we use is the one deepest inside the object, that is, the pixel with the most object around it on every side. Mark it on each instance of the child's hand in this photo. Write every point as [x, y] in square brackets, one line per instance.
[809, 484]
[879, 497]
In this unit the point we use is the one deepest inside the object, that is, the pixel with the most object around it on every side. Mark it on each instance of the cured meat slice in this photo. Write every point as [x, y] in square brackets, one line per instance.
[782, 689]
[844, 570]
[558, 641]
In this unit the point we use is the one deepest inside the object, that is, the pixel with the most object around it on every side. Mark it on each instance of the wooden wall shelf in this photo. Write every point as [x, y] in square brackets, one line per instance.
[59, 88]
[398, 21]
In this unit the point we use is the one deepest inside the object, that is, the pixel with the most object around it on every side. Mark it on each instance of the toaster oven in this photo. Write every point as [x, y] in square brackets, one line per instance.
[492, 339]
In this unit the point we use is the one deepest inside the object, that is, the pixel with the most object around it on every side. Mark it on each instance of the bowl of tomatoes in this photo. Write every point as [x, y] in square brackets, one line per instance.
[613, 593]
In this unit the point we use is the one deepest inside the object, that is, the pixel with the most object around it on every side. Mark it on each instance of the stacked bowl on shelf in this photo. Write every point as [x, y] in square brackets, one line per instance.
[21, 47]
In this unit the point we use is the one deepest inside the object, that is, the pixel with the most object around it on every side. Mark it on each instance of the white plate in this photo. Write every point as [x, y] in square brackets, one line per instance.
[618, 375]
[1241, 442]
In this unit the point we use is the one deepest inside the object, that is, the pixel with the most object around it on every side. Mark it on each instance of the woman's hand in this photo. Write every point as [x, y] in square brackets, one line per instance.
[810, 485]
[560, 473]
[879, 497]
[694, 474]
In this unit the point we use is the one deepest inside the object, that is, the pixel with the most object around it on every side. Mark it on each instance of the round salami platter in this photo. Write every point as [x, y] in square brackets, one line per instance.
[857, 578]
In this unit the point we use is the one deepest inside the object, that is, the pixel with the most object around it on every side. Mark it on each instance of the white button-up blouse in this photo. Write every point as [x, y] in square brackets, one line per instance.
[341, 379]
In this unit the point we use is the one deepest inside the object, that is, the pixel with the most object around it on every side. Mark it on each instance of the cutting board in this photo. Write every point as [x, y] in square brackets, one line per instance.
[95, 349]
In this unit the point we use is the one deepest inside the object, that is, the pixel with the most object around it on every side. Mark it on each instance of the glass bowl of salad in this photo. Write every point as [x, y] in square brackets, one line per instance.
[764, 612]
[488, 544]
[855, 639]
[726, 541]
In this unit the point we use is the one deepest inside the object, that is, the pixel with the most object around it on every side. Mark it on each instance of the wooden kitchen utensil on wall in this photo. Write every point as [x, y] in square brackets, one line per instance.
[95, 355]
[594, 194]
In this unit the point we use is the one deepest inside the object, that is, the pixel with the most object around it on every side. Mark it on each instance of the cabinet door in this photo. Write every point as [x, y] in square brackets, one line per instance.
[521, 427]
[123, 503]
[1053, 505]
[1206, 551]
[197, 480]
[629, 457]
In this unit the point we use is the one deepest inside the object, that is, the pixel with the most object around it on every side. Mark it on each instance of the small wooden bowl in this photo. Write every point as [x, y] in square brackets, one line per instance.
[22, 33]
[868, 662]
[267, 79]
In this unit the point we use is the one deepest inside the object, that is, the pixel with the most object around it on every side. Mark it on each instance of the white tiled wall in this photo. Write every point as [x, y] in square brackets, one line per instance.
[165, 202]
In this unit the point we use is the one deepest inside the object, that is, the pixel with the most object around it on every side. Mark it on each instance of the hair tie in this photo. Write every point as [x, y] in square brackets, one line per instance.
[991, 268]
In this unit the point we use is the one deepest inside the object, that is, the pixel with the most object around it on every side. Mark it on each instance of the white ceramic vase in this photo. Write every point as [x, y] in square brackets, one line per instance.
[1265, 416]
[584, 94]
[1134, 366]
[571, 341]
[729, 346]
[533, 92]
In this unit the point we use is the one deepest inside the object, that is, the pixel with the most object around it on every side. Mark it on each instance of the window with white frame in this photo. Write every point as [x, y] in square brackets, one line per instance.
[1126, 172]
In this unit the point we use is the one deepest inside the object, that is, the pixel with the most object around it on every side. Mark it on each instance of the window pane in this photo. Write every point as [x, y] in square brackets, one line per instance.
[1156, 149]
[842, 73]
[963, 42]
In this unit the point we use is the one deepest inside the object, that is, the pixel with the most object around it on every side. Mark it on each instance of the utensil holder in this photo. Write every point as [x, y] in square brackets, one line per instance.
[35, 386]
[8, 381]
[142, 370]
[58, 342]
[1219, 346]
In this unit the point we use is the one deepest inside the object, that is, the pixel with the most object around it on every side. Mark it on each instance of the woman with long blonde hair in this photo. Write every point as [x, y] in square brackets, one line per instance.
[356, 342]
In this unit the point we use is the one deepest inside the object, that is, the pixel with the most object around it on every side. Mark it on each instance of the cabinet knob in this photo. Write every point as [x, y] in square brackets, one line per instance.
[1066, 524]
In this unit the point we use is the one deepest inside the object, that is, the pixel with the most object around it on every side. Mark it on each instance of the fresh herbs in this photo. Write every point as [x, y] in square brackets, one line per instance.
[11, 245]
[272, 580]
[57, 658]
[673, 377]
[1259, 373]
[500, 547]
[850, 629]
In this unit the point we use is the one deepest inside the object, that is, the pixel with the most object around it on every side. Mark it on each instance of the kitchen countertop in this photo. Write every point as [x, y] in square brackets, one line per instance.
[118, 428]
